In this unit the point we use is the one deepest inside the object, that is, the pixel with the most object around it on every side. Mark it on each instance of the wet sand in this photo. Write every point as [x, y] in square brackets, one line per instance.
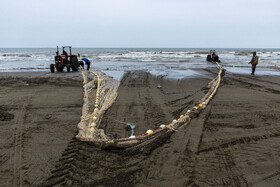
[233, 142]
[38, 118]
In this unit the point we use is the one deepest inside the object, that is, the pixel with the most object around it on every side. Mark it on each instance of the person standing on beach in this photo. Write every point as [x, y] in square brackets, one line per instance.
[254, 62]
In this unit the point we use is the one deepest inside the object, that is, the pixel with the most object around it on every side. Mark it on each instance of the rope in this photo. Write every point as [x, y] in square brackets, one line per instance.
[219, 81]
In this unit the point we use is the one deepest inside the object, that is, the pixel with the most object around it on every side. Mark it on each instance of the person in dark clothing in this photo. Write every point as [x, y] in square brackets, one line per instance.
[87, 62]
[66, 54]
[216, 58]
[213, 53]
[254, 62]
[209, 58]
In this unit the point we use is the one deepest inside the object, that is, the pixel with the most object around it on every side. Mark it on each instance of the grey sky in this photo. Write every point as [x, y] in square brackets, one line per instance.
[140, 23]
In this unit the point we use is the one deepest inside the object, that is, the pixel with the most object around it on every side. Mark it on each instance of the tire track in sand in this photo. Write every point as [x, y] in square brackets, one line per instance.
[259, 134]
[229, 156]
[82, 164]
[17, 176]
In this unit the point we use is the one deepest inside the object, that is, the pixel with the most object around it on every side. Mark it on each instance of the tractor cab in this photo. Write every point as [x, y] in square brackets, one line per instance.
[66, 59]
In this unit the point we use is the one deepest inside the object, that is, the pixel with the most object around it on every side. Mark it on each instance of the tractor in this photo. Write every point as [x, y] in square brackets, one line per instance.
[65, 60]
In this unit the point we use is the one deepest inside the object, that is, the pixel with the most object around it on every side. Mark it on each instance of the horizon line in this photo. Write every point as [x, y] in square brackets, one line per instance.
[146, 47]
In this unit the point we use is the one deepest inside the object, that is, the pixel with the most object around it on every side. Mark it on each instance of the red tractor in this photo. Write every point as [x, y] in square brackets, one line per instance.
[65, 60]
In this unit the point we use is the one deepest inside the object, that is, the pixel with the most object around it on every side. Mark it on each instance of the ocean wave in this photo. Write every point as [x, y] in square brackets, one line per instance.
[165, 52]
[142, 52]
[27, 68]
[201, 52]
[16, 55]
[243, 54]
[147, 60]
[45, 59]
[184, 60]
[136, 56]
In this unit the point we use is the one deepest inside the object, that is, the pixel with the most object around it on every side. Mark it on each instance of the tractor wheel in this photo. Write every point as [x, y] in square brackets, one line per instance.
[68, 67]
[59, 69]
[74, 68]
[52, 68]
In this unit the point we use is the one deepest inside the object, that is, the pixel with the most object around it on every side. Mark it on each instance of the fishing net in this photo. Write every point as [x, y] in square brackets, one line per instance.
[100, 92]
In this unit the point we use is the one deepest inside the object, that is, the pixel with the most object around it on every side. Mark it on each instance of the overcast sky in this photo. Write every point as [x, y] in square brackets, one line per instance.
[140, 23]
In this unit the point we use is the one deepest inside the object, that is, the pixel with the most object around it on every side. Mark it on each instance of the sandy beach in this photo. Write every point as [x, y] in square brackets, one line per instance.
[233, 142]
[140, 93]
[38, 118]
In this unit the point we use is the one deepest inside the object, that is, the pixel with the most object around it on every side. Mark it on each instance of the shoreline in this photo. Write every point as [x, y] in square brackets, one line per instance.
[118, 74]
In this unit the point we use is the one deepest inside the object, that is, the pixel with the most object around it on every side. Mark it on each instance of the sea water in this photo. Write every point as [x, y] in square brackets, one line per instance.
[172, 62]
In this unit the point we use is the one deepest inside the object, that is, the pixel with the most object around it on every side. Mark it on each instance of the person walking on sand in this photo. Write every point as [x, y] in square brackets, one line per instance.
[254, 62]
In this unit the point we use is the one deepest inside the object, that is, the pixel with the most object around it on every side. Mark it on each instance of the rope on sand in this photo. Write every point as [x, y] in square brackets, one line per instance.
[219, 80]
[103, 92]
